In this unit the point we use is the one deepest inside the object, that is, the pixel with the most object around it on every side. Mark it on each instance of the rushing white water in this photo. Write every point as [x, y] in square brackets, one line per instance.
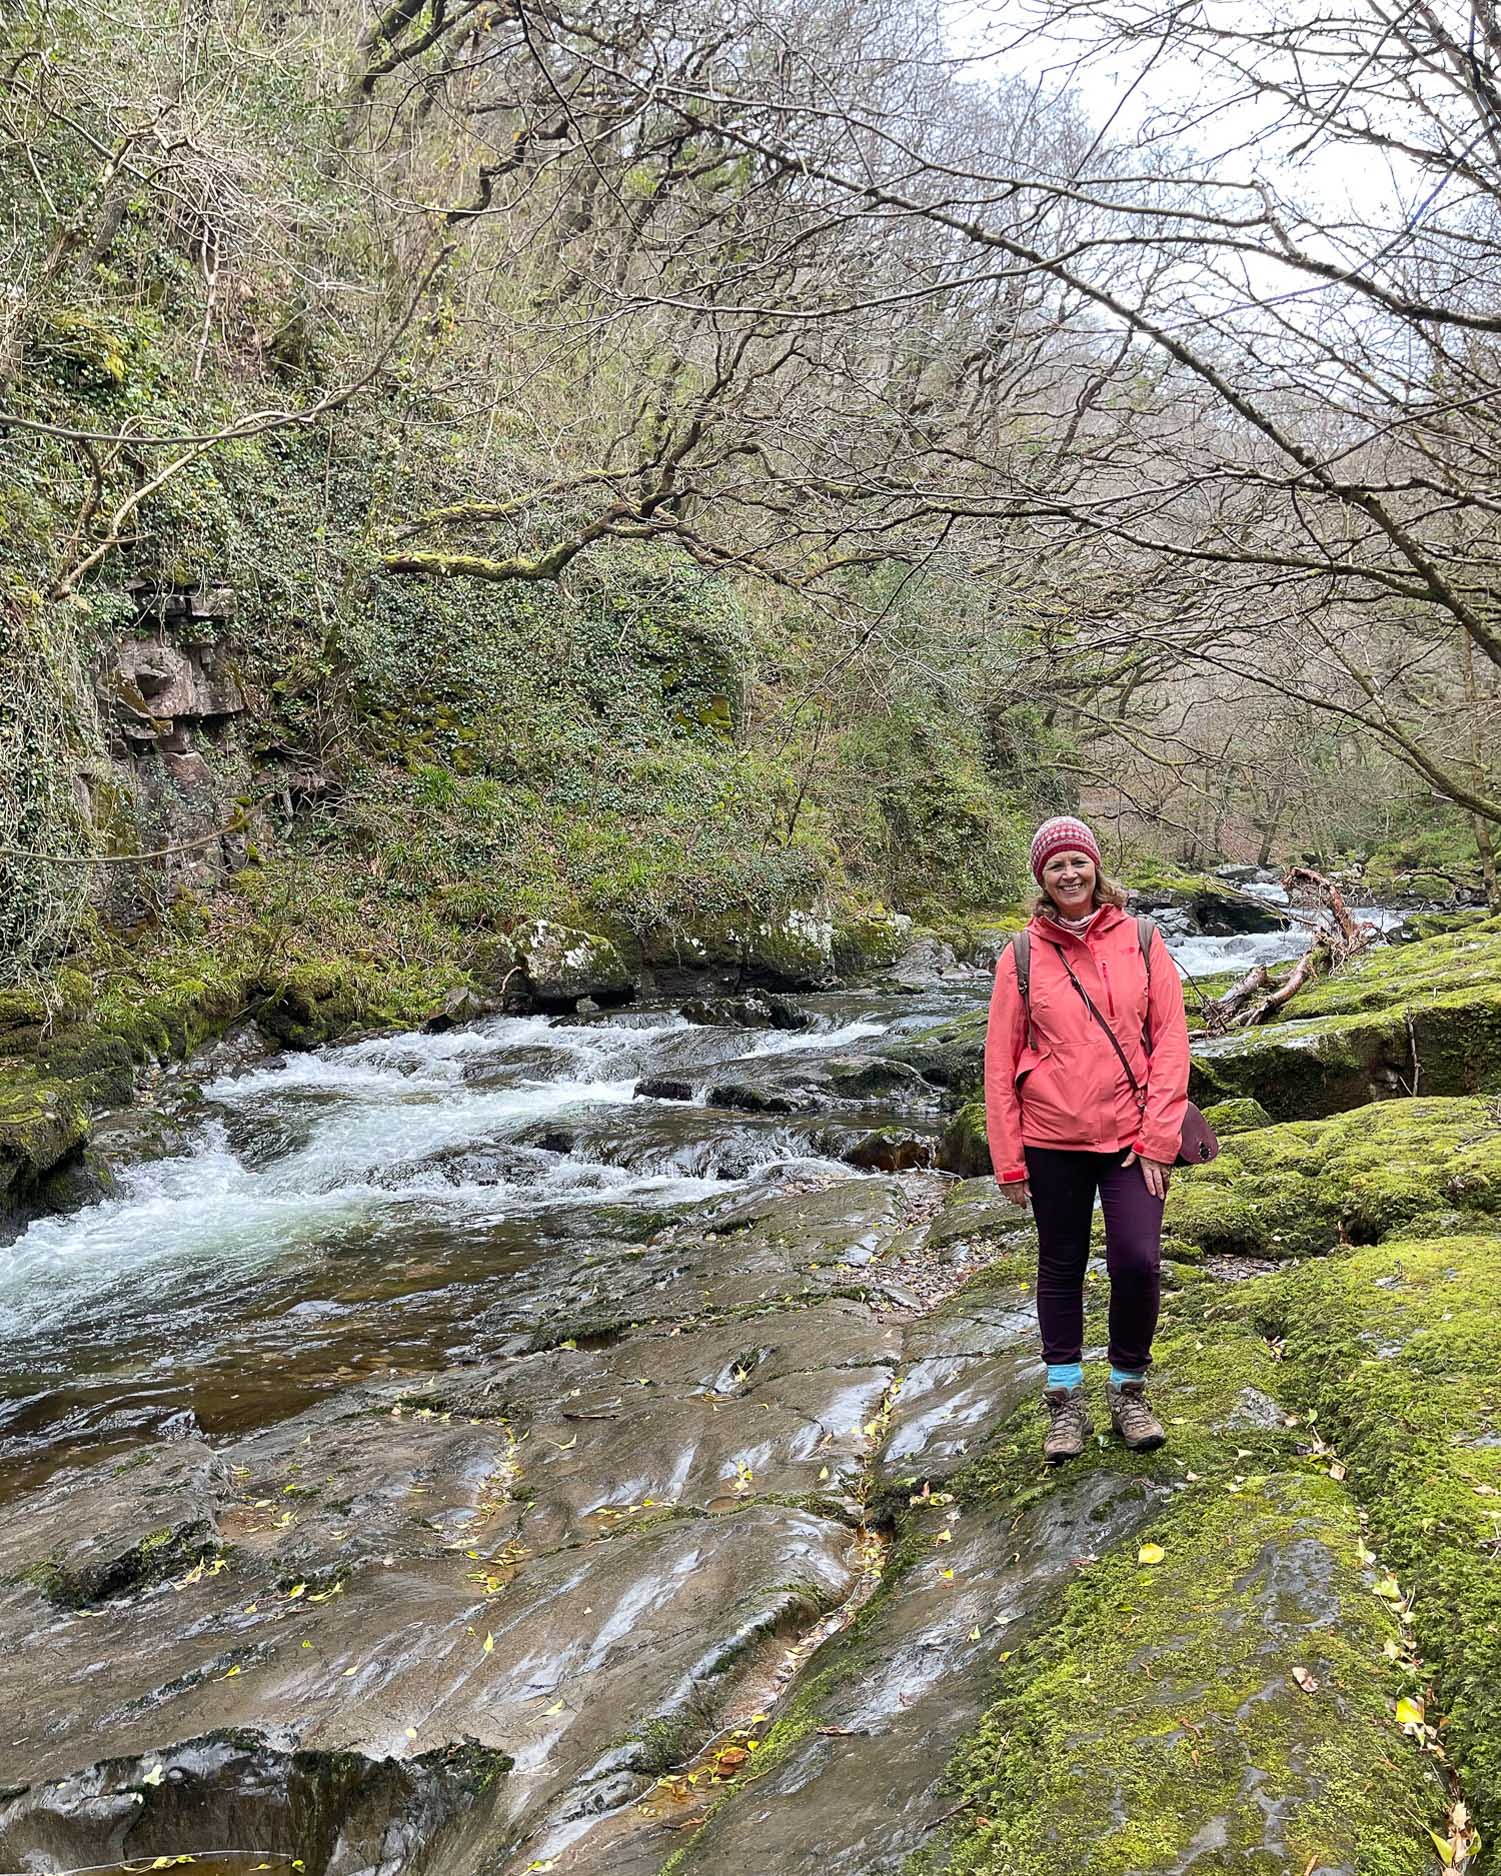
[1204, 957]
[516, 1118]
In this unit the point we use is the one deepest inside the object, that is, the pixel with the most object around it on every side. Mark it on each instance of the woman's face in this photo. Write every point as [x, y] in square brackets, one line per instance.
[1068, 880]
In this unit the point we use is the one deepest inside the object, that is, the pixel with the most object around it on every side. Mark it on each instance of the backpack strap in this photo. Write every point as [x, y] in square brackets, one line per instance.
[1021, 951]
[1144, 929]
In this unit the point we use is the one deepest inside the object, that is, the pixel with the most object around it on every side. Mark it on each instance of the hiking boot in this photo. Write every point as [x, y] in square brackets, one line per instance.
[1132, 1418]
[1068, 1424]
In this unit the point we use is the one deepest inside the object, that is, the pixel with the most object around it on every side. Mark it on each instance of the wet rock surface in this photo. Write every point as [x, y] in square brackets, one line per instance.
[557, 1559]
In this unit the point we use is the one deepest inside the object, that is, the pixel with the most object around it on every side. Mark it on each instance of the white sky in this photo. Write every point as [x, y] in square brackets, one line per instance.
[1134, 84]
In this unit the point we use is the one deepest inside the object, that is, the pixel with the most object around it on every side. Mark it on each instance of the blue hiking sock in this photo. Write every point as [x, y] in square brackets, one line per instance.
[1120, 1376]
[1065, 1374]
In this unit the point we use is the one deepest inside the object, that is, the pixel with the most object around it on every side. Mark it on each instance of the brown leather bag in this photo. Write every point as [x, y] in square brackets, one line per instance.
[1198, 1143]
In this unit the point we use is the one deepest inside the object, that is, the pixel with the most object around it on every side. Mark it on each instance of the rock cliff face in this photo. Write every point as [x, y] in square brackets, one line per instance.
[177, 709]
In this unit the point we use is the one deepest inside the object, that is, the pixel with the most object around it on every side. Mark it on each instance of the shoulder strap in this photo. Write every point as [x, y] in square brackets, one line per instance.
[1144, 929]
[1021, 948]
[1021, 951]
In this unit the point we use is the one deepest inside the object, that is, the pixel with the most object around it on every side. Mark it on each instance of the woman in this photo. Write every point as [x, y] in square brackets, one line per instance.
[1065, 1123]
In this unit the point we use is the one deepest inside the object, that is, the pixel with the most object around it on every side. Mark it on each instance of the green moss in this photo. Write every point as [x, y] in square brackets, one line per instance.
[1156, 1722]
[1395, 1348]
[41, 1122]
[1305, 1187]
[964, 1148]
[951, 1055]
[1227, 1117]
[1152, 1722]
[869, 941]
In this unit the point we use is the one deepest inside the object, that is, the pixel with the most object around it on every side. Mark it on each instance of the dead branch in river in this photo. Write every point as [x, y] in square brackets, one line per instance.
[1333, 944]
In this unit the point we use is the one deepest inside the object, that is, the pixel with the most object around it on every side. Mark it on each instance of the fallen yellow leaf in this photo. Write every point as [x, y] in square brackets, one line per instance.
[1150, 1553]
[1409, 1712]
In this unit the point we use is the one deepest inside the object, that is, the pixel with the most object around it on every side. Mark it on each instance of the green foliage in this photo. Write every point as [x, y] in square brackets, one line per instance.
[49, 744]
[936, 828]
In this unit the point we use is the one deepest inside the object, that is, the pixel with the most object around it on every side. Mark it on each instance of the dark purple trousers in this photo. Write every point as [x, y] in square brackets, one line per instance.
[1063, 1185]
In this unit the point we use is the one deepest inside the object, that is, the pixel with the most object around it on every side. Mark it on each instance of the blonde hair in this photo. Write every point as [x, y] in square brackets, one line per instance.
[1106, 892]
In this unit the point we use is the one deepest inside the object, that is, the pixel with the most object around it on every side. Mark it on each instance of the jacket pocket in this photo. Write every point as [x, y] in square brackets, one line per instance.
[1027, 1064]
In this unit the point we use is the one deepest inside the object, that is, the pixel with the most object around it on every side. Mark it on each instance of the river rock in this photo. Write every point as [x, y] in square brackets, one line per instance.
[876, 1077]
[561, 965]
[1216, 909]
[750, 1099]
[890, 1150]
[746, 1012]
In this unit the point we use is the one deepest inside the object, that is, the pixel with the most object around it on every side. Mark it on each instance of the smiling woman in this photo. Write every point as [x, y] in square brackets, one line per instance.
[1086, 1082]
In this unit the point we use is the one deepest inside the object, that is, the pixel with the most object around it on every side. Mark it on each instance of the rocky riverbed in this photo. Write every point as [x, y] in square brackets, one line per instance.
[461, 1461]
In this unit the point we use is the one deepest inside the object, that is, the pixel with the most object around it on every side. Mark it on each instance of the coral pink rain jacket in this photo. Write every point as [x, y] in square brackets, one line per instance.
[1067, 1088]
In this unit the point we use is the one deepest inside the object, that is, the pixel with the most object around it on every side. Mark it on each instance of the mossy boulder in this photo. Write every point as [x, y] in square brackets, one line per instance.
[1306, 1187]
[1394, 1347]
[311, 1004]
[1227, 1117]
[1447, 1043]
[869, 941]
[1423, 1018]
[1215, 907]
[42, 1121]
[560, 965]
[795, 952]
[950, 1055]
[964, 1148]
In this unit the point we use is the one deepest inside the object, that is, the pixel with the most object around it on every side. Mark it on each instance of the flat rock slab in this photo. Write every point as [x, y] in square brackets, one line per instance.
[863, 1787]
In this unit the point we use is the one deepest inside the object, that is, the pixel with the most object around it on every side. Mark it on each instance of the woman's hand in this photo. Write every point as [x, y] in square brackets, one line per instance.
[1154, 1171]
[1019, 1191]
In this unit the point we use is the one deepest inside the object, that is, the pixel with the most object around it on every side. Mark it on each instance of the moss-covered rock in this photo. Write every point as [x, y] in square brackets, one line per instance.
[1158, 1721]
[1153, 1722]
[869, 941]
[1422, 1018]
[560, 965]
[1305, 1187]
[1215, 907]
[1227, 1117]
[311, 1004]
[1394, 1347]
[951, 1055]
[964, 1148]
[42, 1121]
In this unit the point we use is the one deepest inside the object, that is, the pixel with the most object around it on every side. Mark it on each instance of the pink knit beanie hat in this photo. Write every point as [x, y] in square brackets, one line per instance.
[1063, 834]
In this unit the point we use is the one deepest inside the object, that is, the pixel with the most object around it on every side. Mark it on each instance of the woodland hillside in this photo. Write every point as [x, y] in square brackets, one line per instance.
[464, 464]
